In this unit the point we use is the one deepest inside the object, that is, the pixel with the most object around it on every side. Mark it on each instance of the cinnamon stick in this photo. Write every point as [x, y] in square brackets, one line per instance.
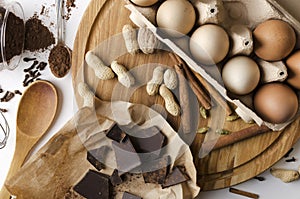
[202, 97]
[219, 99]
[243, 193]
[236, 137]
[215, 94]
[184, 100]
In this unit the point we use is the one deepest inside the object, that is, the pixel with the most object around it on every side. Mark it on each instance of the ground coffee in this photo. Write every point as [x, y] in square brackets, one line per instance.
[37, 36]
[59, 61]
[69, 5]
[14, 35]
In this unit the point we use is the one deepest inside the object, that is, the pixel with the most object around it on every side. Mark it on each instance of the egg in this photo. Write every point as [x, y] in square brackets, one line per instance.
[241, 75]
[276, 103]
[274, 40]
[144, 2]
[293, 65]
[176, 17]
[209, 44]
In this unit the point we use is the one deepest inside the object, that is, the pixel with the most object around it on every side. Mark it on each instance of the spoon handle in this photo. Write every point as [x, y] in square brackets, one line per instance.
[60, 21]
[24, 145]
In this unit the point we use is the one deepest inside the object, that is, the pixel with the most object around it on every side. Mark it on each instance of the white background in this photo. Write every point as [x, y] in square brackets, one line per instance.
[12, 80]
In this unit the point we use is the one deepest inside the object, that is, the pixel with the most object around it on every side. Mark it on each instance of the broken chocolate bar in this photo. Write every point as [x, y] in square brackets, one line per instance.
[157, 171]
[116, 134]
[148, 141]
[127, 195]
[94, 185]
[71, 194]
[97, 157]
[126, 156]
[115, 179]
[177, 176]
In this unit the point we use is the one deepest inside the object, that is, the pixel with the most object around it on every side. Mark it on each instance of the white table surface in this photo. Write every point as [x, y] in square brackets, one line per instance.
[12, 80]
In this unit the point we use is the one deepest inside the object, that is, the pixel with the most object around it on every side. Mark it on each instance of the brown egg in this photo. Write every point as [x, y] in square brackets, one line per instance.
[176, 17]
[276, 103]
[293, 65]
[274, 40]
[144, 2]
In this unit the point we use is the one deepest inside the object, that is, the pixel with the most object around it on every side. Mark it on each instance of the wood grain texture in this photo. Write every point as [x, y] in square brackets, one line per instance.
[221, 168]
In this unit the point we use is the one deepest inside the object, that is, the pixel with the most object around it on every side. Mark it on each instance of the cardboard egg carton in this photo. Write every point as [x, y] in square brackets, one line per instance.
[239, 12]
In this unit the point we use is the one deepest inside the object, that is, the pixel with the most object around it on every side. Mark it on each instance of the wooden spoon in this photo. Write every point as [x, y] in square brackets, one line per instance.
[36, 112]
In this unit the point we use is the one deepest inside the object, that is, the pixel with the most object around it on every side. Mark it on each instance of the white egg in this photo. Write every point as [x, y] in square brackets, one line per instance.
[176, 17]
[241, 75]
[209, 44]
[144, 2]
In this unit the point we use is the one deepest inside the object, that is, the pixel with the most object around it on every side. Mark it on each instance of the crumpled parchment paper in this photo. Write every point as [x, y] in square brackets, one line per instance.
[61, 163]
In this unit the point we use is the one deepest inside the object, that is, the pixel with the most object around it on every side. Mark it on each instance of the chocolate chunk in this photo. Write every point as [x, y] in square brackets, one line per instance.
[116, 134]
[115, 179]
[150, 140]
[71, 194]
[126, 156]
[157, 171]
[97, 157]
[177, 176]
[127, 195]
[94, 185]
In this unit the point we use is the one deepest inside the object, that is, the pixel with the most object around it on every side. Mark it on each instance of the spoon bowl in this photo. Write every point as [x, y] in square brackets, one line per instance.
[37, 109]
[39, 103]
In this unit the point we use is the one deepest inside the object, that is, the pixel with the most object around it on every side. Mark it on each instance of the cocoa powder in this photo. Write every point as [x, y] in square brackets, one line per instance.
[69, 5]
[37, 36]
[14, 35]
[59, 61]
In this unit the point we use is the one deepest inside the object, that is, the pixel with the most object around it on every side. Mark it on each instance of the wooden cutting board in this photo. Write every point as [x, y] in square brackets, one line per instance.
[102, 21]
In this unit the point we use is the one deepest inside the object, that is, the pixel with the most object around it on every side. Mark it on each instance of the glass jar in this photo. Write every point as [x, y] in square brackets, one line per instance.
[12, 34]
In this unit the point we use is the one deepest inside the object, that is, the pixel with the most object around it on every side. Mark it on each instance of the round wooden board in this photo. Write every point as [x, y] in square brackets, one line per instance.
[230, 165]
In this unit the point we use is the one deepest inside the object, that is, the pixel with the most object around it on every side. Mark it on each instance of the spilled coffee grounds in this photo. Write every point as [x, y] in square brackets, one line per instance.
[14, 35]
[37, 36]
[69, 5]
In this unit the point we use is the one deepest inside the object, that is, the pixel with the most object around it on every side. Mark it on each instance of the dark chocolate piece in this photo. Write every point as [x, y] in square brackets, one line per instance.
[94, 185]
[157, 171]
[177, 176]
[148, 141]
[127, 195]
[116, 134]
[126, 156]
[115, 179]
[97, 157]
[71, 194]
